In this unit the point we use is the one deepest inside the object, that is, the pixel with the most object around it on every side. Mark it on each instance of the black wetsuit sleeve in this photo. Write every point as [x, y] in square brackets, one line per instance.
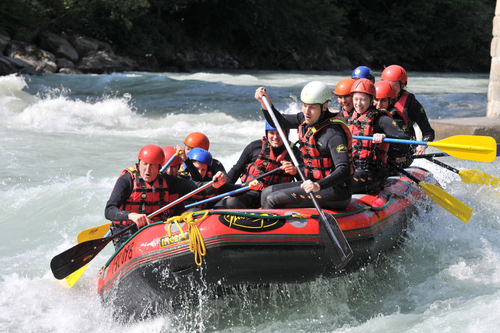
[193, 172]
[248, 156]
[216, 167]
[385, 124]
[416, 113]
[121, 192]
[183, 186]
[333, 142]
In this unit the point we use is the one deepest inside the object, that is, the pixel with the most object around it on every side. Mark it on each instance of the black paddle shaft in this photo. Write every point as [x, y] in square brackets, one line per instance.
[336, 244]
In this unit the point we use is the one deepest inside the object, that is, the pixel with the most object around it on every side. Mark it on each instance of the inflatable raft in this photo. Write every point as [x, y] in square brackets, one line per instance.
[164, 262]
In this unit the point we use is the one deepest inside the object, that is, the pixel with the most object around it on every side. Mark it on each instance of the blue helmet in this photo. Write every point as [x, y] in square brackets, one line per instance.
[270, 128]
[363, 72]
[200, 155]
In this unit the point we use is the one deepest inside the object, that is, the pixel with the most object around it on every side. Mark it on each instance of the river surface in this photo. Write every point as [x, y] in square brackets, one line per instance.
[65, 139]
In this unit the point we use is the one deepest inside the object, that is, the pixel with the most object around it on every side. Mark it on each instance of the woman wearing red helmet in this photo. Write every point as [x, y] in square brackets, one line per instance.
[407, 104]
[141, 190]
[370, 157]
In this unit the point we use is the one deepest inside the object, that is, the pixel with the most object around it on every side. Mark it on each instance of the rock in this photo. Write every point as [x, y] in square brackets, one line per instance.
[90, 64]
[26, 33]
[6, 67]
[42, 60]
[4, 40]
[70, 71]
[345, 64]
[58, 45]
[83, 45]
[64, 63]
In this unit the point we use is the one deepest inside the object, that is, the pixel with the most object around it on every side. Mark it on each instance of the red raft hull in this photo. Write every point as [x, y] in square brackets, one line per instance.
[153, 269]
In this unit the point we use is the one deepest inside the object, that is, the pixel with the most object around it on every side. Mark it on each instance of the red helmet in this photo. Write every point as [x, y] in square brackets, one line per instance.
[197, 140]
[152, 154]
[385, 89]
[364, 86]
[169, 151]
[395, 73]
[344, 87]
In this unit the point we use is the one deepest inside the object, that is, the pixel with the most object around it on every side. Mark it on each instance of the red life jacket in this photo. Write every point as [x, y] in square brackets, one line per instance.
[146, 198]
[399, 108]
[317, 167]
[267, 161]
[365, 150]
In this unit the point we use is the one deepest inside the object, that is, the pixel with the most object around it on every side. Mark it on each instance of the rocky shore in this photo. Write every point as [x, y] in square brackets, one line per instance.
[35, 52]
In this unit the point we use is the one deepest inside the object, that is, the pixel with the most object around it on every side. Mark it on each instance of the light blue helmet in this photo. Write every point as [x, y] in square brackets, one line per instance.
[200, 155]
[270, 128]
[363, 72]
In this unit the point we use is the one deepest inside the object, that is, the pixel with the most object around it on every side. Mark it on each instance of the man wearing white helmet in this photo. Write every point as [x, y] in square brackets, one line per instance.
[326, 149]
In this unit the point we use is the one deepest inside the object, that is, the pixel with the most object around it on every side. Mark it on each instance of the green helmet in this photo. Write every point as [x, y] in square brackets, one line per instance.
[315, 92]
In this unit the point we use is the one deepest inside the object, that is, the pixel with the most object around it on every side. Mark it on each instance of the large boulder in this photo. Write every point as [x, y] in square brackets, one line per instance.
[83, 45]
[4, 40]
[6, 67]
[64, 63]
[59, 46]
[70, 71]
[101, 61]
[41, 60]
[10, 65]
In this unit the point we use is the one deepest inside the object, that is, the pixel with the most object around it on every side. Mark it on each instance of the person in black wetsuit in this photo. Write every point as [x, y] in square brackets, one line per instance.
[198, 140]
[259, 157]
[326, 152]
[141, 190]
[385, 97]
[408, 105]
[370, 157]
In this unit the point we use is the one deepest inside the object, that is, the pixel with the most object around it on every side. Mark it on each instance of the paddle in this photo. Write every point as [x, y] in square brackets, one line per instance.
[440, 196]
[243, 189]
[336, 244]
[73, 277]
[467, 147]
[80, 255]
[93, 233]
[468, 176]
[171, 160]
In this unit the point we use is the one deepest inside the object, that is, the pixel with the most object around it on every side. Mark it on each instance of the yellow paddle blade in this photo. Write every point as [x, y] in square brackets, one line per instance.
[73, 277]
[468, 147]
[93, 233]
[478, 177]
[447, 201]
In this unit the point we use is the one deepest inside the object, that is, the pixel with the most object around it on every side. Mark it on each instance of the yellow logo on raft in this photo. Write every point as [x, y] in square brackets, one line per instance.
[174, 239]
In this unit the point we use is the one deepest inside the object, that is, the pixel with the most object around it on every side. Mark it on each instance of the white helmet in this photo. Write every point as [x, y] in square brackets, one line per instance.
[315, 92]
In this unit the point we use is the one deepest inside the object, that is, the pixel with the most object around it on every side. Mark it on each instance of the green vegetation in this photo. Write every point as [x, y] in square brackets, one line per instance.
[434, 35]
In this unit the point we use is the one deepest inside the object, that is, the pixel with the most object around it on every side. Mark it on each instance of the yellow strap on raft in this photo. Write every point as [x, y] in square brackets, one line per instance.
[196, 243]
